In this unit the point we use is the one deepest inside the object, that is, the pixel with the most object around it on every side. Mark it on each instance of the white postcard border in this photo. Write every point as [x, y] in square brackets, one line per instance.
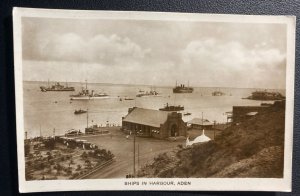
[199, 184]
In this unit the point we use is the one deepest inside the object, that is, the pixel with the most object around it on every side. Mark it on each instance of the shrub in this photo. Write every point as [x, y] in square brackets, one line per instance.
[75, 175]
[84, 155]
[49, 144]
[78, 167]
[69, 170]
[51, 162]
[179, 146]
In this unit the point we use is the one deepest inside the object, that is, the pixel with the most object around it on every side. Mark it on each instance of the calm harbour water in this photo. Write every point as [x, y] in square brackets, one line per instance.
[55, 110]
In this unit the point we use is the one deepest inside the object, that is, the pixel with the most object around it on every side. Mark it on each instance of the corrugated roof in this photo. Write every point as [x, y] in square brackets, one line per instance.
[251, 113]
[198, 121]
[148, 117]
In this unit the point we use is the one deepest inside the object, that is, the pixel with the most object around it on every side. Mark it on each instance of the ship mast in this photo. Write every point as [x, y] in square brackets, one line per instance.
[87, 118]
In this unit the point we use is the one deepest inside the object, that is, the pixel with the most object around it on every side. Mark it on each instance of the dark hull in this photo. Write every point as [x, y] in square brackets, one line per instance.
[218, 93]
[171, 108]
[80, 112]
[43, 89]
[176, 90]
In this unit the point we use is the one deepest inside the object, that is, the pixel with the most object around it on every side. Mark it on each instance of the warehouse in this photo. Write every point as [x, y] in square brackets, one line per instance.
[154, 123]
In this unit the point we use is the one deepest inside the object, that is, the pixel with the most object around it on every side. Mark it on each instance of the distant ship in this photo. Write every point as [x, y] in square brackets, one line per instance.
[172, 108]
[85, 94]
[80, 111]
[128, 98]
[218, 93]
[56, 87]
[147, 93]
[266, 96]
[182, 89]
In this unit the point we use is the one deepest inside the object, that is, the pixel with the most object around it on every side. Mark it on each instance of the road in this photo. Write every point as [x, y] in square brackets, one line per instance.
[122, 148]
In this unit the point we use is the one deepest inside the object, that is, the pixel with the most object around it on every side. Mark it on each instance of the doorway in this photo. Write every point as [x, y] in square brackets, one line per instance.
[174, 130]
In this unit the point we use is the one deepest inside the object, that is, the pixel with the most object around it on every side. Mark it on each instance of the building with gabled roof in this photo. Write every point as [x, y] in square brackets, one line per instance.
[154, 123]
[199, 123]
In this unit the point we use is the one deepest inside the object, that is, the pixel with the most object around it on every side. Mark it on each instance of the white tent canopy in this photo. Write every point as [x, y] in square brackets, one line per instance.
[200, 139]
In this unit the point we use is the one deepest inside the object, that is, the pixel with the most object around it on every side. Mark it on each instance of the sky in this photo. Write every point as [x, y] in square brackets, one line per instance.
[157, 53]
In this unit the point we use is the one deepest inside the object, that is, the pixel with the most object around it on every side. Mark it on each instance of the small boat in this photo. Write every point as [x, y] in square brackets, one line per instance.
[172, 108]
[128, 99]
[80, 111]
[217, 93]
[148, 94]
[187, 114]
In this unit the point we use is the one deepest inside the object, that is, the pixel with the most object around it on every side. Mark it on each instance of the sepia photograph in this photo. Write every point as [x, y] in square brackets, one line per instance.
[110, 100]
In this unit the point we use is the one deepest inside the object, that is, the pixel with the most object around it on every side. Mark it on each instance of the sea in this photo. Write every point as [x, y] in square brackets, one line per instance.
[52, 113]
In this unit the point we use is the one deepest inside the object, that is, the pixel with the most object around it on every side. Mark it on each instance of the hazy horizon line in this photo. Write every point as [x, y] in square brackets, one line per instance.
[62, 82]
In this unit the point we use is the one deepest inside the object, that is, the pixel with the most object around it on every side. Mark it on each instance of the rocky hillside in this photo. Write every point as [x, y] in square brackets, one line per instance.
[253, 148]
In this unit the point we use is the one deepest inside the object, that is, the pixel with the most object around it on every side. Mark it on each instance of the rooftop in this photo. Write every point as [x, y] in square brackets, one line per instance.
[153, 118]
[198, 121]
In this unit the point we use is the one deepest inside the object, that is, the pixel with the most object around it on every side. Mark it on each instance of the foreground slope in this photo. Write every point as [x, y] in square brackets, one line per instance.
[253, 148]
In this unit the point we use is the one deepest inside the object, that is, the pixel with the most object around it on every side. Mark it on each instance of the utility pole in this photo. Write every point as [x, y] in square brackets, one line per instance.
[138, 152]
[214, 129]
[134, 153]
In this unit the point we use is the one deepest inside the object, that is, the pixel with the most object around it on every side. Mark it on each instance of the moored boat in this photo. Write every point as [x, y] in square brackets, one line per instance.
[128, 98]
[80, 111]
[172, 108]
[85, 94]
[56, 87]
[152, 92]
[218, 93]
[182, 89]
